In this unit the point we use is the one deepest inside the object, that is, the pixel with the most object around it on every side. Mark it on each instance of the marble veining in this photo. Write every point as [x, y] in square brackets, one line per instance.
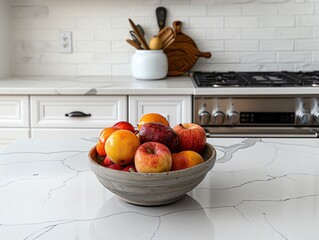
[258, 189]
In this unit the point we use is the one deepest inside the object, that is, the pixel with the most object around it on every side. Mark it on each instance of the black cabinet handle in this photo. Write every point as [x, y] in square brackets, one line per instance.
[78, 114]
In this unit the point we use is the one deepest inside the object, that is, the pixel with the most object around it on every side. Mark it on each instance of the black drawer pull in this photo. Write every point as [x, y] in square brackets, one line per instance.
[78, 114]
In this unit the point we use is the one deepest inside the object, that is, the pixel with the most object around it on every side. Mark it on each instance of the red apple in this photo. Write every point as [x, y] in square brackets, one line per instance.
[158, 132]
[191, 137]
[116, 166]
[124, 125]
[107, 161]
[153, 157]
[129, 168]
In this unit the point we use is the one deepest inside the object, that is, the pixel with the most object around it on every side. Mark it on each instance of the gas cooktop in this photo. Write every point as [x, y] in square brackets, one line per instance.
[257, 79]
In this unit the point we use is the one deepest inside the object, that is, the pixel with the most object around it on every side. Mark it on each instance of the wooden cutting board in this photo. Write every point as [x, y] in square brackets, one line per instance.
[183, 53]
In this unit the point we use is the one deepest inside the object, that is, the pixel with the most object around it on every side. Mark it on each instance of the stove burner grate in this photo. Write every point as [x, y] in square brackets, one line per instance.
[257, 79]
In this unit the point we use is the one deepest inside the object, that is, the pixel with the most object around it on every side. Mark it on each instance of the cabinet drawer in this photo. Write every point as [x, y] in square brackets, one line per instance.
[56, 111]
[14, 111]
[176, 109]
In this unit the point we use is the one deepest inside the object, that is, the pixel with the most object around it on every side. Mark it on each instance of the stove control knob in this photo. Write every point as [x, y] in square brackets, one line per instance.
[233, 117]
[316, 117]
[218, 118]
[204, 117]
[304, 117]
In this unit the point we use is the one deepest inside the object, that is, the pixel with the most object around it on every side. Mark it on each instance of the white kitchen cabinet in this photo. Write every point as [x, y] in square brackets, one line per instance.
[177, 109]
[14, 119]
[75, 116]
[5, 42]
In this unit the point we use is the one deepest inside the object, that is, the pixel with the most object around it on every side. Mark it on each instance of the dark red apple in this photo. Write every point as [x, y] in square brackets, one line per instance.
[124, 125]
[191, 137]
[158, 132]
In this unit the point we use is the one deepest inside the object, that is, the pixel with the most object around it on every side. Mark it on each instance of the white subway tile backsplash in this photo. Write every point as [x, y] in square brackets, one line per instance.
[250, 21]
[93, 46]
[82, 35]
[242, 35]
[222, 9]
[111, 58]
[260, 57]
[295, 33]
[287, 57]
[260, 33]
[225, 57]
[35, 46]
[121, 70]
[278, 21]
[39, 24]
[111, 34]
[35, 35]
[206, 22]
[93, 23]
[258, 9]
[211, 46]
[307, 44]
[241, 45]
[30, 12]
[296, 8]
[224, 33]
[45, 69]
[307, 20]
[279, 45]
[93, 69]
[188, 10]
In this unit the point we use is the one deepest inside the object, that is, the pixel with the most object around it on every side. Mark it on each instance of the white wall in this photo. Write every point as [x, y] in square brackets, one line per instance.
[5, 47]
[243, 35]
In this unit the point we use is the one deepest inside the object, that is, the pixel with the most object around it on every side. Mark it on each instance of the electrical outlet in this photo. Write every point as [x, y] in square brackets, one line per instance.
[66, 42]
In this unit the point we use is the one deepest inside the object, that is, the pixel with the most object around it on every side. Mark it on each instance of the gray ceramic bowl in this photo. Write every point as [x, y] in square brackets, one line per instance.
[151, 189]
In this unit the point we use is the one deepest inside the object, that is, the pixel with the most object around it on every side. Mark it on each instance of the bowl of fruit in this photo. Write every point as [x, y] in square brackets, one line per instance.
[154, 165]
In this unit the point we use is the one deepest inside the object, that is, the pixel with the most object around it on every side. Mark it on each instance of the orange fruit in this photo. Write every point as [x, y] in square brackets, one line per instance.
[152, 117]
[105, 133]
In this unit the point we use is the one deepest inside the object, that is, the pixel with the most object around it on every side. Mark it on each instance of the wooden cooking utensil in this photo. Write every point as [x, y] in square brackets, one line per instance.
[161, 17]
[183, 53]
[133, 43]
[166, 35]
[140, 38]
[166, 45]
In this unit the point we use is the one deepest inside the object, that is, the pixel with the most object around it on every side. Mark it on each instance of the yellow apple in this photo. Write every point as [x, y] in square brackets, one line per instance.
[121, 145]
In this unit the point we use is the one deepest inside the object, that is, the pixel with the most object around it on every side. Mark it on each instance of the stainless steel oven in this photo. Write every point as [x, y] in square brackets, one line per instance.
[257, 104]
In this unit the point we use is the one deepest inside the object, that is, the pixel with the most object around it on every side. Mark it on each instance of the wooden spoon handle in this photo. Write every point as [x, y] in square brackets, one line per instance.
[134, 44]
[140, 38]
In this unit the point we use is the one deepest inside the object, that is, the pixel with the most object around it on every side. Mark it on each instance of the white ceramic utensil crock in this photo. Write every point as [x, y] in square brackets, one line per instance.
[149, 64]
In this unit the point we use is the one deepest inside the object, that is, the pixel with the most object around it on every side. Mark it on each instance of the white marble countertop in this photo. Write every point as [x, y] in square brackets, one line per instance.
[258, 189]
[117, 85]
[95, 86]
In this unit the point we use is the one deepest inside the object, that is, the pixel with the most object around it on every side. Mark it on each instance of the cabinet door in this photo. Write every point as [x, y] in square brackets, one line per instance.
[14, 111]
[177, 109]
[77, 111]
